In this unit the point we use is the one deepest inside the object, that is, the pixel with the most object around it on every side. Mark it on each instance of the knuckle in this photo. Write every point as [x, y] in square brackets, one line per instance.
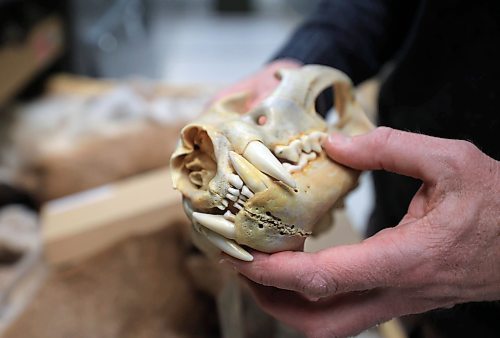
[461, 154]
[317, 284]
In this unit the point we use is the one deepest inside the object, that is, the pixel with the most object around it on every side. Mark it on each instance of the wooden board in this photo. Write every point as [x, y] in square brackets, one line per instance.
[80, 225]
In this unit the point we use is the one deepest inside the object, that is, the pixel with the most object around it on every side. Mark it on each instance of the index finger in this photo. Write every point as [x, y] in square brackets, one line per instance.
[376, 262]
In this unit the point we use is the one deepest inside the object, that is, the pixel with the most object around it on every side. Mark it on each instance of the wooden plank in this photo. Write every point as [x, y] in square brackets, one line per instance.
[83, 224]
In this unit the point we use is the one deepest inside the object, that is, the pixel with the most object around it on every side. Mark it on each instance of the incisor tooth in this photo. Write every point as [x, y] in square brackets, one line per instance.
[264, 160]
[232, 197]
[216, 223]
[235, 181]
[228, 246]
[233, 191]
[253, 178]
[246, 192]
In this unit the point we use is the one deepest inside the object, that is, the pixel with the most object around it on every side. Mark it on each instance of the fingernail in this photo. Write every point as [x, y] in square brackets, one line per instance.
[338, 139]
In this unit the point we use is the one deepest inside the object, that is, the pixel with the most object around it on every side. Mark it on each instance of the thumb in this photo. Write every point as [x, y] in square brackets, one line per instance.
[405, 153]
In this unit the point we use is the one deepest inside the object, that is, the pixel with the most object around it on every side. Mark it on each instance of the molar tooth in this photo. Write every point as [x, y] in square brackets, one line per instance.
[306, 144]
[241, 201]
[316, 138]
[287, 152]
[253, 178]
[238, 206]
[216, 223]
[263, 159]
[225, 202]
[228, 246]
[229, 216]
[234, 191]
[235, 181]
[221, 207]
[246, 192]
[232, 197]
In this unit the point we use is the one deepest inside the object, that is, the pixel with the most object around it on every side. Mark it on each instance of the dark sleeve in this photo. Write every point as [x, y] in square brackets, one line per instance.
[355, 36]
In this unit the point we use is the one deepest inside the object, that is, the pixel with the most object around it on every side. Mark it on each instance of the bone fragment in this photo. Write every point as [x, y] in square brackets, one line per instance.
[264, 160]
[216, 223]
[228, 246]
[253, 178]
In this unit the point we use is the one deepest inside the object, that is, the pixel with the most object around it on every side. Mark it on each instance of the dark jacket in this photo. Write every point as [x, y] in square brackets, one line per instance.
[445, 82]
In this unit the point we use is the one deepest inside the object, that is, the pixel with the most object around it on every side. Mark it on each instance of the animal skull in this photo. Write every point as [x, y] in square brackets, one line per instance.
[260, 178]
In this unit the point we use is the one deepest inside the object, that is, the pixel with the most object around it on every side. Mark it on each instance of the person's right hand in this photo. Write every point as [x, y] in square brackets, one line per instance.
[260, 84]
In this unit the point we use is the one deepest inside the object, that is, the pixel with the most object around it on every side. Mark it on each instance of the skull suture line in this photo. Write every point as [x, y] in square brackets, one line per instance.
[260, 178]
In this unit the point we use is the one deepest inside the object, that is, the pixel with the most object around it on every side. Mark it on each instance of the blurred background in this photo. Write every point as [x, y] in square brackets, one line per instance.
[93, 240]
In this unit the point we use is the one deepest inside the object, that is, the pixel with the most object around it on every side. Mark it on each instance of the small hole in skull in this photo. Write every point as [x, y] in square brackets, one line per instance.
[262, 120]
[282, 233]
[261, 226]
[268, 213]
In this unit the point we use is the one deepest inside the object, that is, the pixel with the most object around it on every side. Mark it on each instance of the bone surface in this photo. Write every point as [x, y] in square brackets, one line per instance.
[265, 183]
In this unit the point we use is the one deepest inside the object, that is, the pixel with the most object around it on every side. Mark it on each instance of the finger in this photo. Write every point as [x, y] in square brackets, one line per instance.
[383, 260]
[405, 153]
[338, 316]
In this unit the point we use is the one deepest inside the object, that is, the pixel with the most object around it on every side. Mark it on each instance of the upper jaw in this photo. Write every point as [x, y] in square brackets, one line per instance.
[255, 170]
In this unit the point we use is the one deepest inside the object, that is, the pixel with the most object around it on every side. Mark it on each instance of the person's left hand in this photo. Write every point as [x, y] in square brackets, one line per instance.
[445, 251]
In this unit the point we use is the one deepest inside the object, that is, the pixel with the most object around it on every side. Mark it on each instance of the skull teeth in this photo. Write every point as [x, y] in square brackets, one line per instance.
[264, 160]
[229, 216]
[296, 151]
[235, 181]
[246, 192]
[216, 223]
[228, 246]
[253, 178]
[232, 197]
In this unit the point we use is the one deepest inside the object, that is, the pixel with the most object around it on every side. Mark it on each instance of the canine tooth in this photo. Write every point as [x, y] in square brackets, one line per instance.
[234, 191]
[306, 144]
[229, 216]
[246, 192]
[253, 178]
[232, 197]
[264, 160]
[228, 246]
[235, 181]
[225, 203]
[216, 223]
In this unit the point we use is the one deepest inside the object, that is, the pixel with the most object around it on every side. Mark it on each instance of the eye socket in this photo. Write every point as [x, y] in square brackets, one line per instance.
[262, 120]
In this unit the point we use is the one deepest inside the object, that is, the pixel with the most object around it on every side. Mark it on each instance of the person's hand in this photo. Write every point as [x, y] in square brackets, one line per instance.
[445, 251]
[259, 85]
